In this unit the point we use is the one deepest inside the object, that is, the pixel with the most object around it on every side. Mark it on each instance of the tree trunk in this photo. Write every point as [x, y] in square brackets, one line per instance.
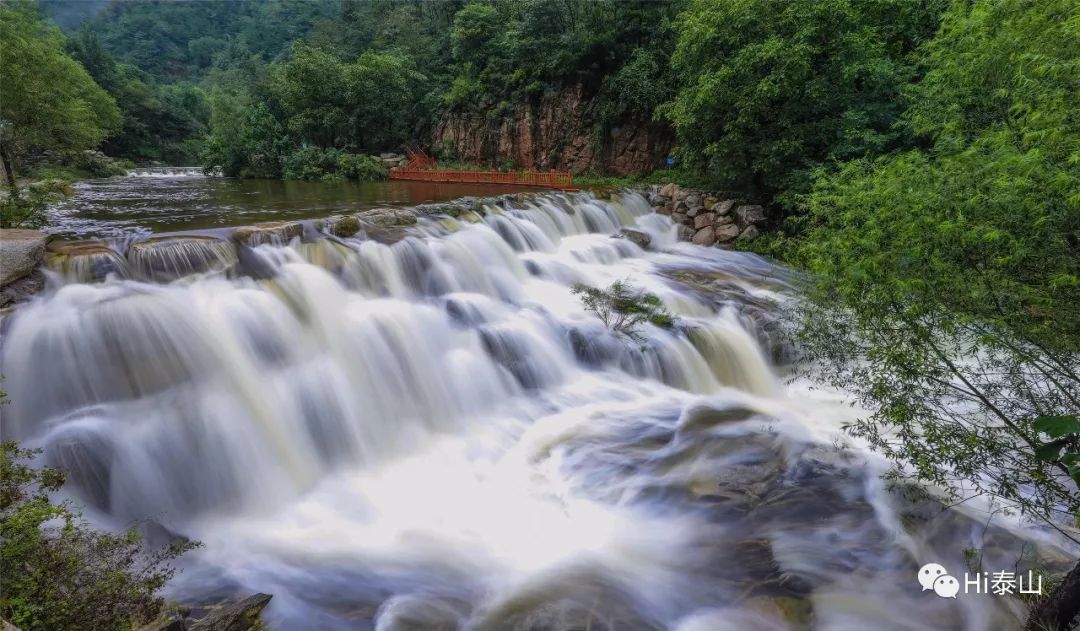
[1059, 610]
[7, 170]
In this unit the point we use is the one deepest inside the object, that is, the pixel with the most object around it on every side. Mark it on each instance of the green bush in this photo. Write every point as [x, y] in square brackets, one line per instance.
[624, 310]
[24, 207]
[314, 163]
[61, 574]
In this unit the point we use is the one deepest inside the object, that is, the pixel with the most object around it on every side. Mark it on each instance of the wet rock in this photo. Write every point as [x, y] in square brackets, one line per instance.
[702, 417]
[275, 232]
[452, 209]
[686, 233]
[21, 251]
[705, 236]
[749, 234]
[639, 238]
[726, 232]
[704, 219]
[241, 616]
[680, 218]
[747, 215]
[387, 217]
[22, 289]
[343, 226]
[667, 209]
[172, 619]
[169, 258]
[85, 261]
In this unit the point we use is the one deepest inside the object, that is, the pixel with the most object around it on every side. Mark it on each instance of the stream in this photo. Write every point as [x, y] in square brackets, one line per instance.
[430, 432]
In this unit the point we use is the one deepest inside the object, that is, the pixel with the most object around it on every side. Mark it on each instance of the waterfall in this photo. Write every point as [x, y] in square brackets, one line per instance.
[434, 431]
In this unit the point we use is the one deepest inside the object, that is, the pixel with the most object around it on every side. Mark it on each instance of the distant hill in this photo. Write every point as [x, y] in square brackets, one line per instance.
[71, 14]
[181, 40]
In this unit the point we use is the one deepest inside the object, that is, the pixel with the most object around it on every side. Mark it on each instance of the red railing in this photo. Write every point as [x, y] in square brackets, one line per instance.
[550, 179]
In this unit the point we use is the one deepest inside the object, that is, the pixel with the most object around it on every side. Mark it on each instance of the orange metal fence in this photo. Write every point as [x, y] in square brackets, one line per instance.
[550, 179]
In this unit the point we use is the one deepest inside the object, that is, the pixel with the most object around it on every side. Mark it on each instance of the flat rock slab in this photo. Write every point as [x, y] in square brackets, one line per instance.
[21, 251]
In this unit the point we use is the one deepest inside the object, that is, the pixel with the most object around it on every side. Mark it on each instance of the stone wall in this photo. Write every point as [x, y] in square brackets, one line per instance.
[705, 218]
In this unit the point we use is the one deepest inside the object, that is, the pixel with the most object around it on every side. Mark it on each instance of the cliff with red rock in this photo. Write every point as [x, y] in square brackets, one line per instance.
[557, 130]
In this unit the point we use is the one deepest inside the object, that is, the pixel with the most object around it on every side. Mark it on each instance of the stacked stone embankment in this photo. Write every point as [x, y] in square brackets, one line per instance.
[706, 218]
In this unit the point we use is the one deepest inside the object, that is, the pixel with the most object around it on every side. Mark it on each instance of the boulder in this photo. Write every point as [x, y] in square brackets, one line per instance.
[686, 233]
[666, 209]
[343, 226]
[694, 211]
[723, 220]
[669, 190]
[273, 232]
[641, 239]
[726, 232]
[85, 261]
[704, 219]
[164, 259]
[705, 236]
[680, 218]
[749, 215]
[749, 234]
[681, 206]
[21, 251]
[387, 217]
[724, 207]
[241, 616]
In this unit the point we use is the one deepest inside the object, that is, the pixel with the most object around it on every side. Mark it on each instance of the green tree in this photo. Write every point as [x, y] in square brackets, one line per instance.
[947, 293]
[770, 89]
[59, 573]
[49, 100]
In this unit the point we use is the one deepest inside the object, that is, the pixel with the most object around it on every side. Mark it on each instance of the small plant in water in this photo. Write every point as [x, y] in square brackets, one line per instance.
[622, 309]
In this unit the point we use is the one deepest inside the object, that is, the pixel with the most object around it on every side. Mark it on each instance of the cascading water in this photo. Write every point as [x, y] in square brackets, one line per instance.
[433, 433]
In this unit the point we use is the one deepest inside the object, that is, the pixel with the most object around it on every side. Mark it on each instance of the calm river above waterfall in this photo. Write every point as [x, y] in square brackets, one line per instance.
[141, 205]
[430, 432]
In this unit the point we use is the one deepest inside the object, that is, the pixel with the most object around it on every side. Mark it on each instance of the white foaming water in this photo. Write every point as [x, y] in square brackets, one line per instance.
[435, 434]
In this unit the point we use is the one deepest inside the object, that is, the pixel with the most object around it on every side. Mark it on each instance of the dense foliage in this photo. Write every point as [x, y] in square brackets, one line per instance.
[957, 268]
[160, 123]
[49, 100]
[765, 100]
[59, 573]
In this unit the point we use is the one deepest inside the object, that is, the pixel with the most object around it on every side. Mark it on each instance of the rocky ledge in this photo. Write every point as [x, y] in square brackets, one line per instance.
[21, 252]
[706, 218]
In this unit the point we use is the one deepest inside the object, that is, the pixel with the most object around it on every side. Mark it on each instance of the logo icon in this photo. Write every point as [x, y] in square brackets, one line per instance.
[935, 577]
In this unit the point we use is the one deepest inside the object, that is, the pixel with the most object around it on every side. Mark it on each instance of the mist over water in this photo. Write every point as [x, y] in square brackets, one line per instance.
[434, 434]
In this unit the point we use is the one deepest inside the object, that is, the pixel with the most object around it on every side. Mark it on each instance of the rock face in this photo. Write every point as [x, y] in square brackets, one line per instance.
[240, 616]
[555, 131]
[706, 219]
[21, 251]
